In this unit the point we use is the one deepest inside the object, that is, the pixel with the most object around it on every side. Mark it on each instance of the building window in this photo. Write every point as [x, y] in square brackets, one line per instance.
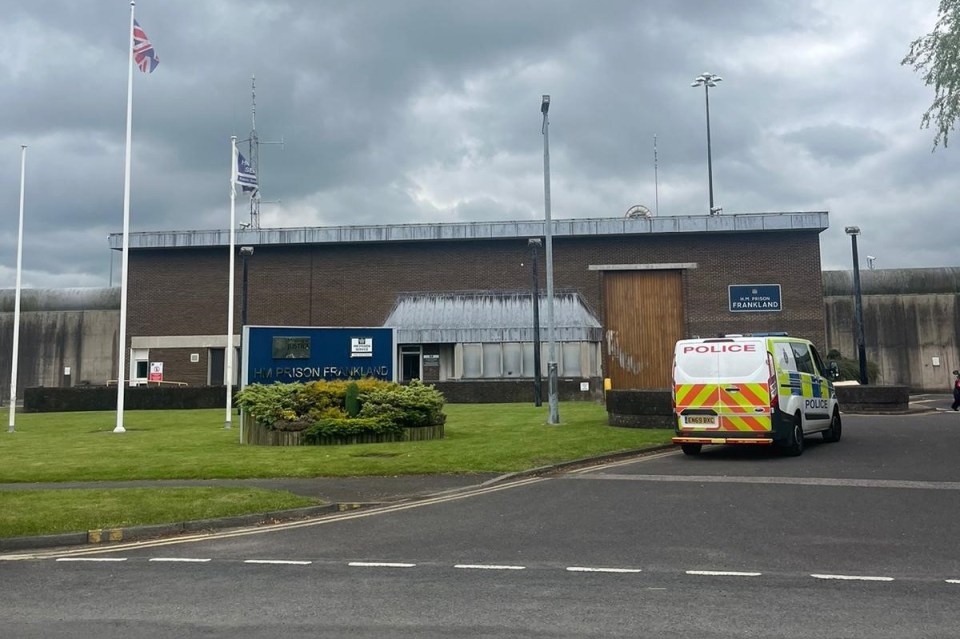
[512, 360]
[472, 354]
[491, 361]
[529, 370]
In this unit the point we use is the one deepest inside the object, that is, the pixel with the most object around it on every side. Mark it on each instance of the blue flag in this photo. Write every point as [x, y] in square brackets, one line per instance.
[246, 177]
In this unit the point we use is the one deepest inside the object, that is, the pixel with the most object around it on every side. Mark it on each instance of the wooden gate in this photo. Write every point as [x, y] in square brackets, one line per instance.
[643, 319]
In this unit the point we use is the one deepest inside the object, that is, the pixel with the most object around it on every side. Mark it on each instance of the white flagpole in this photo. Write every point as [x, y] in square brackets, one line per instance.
[16, 304]
[233, 241]
[122, 344]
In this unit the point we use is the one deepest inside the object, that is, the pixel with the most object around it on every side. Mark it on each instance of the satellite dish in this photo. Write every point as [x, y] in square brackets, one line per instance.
[637, 211]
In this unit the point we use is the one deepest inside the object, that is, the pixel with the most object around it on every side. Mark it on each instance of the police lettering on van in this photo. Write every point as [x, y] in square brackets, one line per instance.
[771, 390]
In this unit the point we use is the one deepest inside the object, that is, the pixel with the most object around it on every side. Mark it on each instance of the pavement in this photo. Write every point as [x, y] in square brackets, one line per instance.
[337, 493]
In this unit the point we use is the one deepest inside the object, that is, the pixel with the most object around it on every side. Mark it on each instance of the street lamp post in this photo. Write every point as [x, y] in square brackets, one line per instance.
[535, 244]
[553, 397]
[853, 232]
[708, 80]
[245, 253]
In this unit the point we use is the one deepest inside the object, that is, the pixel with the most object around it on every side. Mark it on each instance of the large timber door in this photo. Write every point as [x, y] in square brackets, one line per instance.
[643, 318]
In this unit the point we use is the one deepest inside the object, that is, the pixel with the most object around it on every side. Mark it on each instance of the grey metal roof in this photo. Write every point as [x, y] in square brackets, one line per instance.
[739, 222]
[450, 318]
[61, 299]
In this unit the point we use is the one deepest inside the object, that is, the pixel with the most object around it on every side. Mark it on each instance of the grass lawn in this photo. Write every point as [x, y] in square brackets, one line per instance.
[192, 444]
[46, 512]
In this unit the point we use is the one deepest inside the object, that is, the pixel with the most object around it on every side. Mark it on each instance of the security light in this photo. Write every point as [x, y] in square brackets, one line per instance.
[545, 104]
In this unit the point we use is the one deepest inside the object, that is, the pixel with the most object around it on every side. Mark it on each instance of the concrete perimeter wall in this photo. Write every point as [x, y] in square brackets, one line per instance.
[911, 316]
[60, 328]
[911, 319]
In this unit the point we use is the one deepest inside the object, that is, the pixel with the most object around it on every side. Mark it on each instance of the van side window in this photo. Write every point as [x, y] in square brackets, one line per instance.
[819, 362]
[784, 357]
[804, 361]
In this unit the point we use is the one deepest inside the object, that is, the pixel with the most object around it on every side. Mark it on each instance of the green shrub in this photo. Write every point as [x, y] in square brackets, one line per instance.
[351, 400]
[850, 368]
[298, 407]
[410, 406]
[348, 427]
[269, 403]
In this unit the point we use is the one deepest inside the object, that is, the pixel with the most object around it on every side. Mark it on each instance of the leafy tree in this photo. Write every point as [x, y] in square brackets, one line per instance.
[936, 56]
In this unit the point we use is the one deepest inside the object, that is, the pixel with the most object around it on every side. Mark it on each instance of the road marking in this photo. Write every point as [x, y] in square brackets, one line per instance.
[952, 581]
[278, 562]
[91, 559]
[183, 560]
[259, 530]
[379, 564]
[614, 570]
[793, 481]
[852, 577]
[624, 462]
[723, 573]
[488, 567]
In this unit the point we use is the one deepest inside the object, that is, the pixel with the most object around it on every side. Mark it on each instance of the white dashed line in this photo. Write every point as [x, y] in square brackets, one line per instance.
[488, 567]
[852, 577]
[614, 570]
[91, 559]
[723, 573]
[952, 581]
[279, 562]
[379, 564]
[183, 560]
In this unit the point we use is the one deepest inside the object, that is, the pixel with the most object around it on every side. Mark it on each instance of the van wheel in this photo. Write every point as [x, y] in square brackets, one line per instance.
[833, 433]
[794, 445]
[691, 449]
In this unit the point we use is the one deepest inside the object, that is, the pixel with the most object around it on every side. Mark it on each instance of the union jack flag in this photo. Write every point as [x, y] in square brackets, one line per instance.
[143, 53]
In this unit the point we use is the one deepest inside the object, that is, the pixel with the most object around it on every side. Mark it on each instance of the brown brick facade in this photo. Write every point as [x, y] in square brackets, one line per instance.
[183, 291]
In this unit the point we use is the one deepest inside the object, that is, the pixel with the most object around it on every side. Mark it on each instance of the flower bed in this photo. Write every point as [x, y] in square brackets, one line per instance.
[324, 413]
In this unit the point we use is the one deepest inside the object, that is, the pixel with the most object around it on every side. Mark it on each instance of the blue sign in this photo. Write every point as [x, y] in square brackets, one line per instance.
[755, 298]
[308, 354]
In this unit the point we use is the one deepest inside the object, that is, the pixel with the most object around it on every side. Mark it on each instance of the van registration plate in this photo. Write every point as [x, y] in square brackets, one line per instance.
[709, 421]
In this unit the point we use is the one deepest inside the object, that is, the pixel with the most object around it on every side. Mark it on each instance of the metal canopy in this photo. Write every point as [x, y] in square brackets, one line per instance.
[456, 318]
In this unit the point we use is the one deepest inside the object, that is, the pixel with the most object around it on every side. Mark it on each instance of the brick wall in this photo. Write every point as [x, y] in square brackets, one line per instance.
[183, 291]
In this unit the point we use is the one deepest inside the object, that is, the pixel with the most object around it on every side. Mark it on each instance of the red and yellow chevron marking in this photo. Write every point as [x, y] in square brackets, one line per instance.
[744, 423]
[745, 399]
[696, 395]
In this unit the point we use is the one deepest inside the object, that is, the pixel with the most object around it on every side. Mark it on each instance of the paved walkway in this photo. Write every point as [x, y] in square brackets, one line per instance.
[338, 490]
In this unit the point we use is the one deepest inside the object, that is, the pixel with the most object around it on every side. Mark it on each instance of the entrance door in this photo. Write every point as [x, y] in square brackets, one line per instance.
[643, 319]
[410, 357]
[217, 357]
[139, 366]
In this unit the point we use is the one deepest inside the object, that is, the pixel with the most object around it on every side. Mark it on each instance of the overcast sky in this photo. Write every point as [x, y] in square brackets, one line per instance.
[406, 111]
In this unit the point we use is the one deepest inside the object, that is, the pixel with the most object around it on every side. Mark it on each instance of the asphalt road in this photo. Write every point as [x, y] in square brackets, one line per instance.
[854, 539]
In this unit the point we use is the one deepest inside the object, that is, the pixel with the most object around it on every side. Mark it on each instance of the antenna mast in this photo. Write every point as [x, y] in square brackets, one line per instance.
[254, 155]
[656, 178]
[253, 152]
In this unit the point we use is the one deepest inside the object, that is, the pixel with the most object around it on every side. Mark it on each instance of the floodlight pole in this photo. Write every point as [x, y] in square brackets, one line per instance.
[708, 80]
[853, 232]
[16, 303]
[535, 245]
[553, 397]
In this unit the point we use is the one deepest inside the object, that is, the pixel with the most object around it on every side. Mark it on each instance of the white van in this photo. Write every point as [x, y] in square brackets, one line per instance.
[752, 390]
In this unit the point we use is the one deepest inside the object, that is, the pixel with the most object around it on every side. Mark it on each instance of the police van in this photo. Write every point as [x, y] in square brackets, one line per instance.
[758, 389]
